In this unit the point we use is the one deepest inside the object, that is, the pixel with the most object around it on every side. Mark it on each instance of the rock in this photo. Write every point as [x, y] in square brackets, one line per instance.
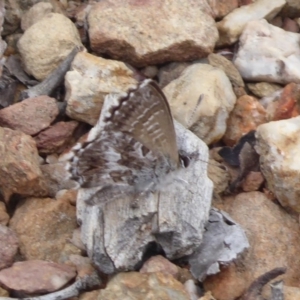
[44, 227]
[269, 62]
[89, 295]
[277, 159]
[222, 8]
[159, 264]
[139, 286]
[9, 246]
[231, 27]
[247, 114]
[263, 89]
[291, 293]
[273, 237]
[36, 276]
[35, 13]
[41, 54]
[4, 217]
[291, 9]
[228, 67]
[201, 100]
[3, 45]
[218, 175]
[31, 115]
[57, 178]
[290, 25]
[56, 138]
[121, 30]
[19, 166]
[11, 41]
[252, 182]
[91, 78]
[149, 71]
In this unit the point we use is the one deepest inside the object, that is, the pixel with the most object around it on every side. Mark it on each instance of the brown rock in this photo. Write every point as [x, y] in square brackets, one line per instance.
[19, 166]
[36, 276]
[125, 30]
[31, 115]
[274, 242]
[44, 227]
[159, 264]
[12, 41]
[290, 25]
[263, 89]
[222, 7]
[3, 292]
[89, 295]
[247, 114]
[4, 217]
[137, 286]
[9, 246]
[252, 182]
[56, 138]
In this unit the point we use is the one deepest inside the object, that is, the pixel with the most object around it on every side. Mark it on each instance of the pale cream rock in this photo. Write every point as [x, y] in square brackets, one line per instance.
[90, 79]
[201, 100]
[268, 53]
[278, 144]
[233, 24]
[45, 44]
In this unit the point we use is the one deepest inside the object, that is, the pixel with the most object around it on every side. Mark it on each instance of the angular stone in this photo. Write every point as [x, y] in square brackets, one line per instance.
[125, 30]
[36, 276]
[278, 159]
[91, 78]
[44, 227]
[9, 246]
[19, 165]
[201, 100]
[31, 115]
[263, 89]
[271, 61]
[231, 27]
[273, 236]
[41, 53]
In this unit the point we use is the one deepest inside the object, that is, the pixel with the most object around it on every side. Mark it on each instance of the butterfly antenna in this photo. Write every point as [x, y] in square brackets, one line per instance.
[189, 123]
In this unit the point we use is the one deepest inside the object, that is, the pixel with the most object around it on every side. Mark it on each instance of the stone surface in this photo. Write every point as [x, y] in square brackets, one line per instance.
[56, 138]
[278, 159]
[31, 115]
[252, 182]
[271, 60]
[247, 114]
[36, 276]
[90, 79]
[159, 264]
[222, 8]
[274, 242]
[125, 30]
[231, 27]
[9, 246]
[201, 100]
[44, 227]
[263, 89]
[35, 13]
[19, 166]
[3, 44]
[137, 286]
[291, 9]
[4, 217]
[41, 53]
[290, 25]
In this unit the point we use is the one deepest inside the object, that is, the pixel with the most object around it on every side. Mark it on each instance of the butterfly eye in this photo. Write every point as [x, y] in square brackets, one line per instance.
[184, 161]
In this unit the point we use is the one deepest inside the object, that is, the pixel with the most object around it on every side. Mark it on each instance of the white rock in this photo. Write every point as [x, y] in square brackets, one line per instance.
[45, 44]
[278, 144]
[233, 24]
[206, 119]
[268, 53]
[90, 79]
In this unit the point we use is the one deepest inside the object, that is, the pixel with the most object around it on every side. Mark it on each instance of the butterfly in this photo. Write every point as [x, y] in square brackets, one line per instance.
[132, 149]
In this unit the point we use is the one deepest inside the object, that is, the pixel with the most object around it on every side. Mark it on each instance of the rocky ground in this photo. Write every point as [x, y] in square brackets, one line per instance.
[231, 73]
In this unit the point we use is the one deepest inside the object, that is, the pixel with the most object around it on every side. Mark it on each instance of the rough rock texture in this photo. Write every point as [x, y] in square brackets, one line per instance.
[233, 24]
[263, 89]
[3, 45]
[247, 114]
[201, 100]
[278, 159]
[90, 79]
[125, 30]
[31, 115]
[139, 286]
[4, 217]
[9, 246]
[36, 276]
[44, 227]
[271, 59]
[41, 53]
[222, 8]
[19, 165]
[274, 242]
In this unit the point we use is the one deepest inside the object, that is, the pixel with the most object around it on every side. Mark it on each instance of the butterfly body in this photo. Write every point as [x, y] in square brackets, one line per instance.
[132, 149]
